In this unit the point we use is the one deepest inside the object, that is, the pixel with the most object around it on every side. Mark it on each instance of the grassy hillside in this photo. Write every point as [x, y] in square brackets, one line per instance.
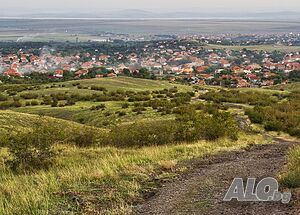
[14, 122]
[109, 173]
[81, 113]
[289, 87]
[111, 84]
[87, 96]
[84, 181]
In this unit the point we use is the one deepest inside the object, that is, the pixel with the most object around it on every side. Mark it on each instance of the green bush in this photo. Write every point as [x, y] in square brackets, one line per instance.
[35, 103]
[254, 116]
[85, 137]
[273, 126]
[98, 107]
[291, 177]
[29, 96]
[30, 151]
[98, 88]
[125, 105]
[3, 97]
[142, 134]
[122, 113]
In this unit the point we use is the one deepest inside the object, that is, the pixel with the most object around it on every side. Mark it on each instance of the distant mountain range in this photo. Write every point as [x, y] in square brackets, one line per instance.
[143, 14]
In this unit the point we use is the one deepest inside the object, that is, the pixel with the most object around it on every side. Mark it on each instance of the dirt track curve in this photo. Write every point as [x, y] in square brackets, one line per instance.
[202, 188]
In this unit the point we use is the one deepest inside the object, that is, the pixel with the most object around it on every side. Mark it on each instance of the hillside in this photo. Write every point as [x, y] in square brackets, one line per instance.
[110, 93]
[11, 121]
[119, 146]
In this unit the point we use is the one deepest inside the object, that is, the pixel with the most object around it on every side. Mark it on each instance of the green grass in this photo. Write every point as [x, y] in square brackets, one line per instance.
[291, 177]
[11, 121]
[101, 179]
[106, 179]
[289, 87]
[111, 84]
[81, 113]
[282, 48]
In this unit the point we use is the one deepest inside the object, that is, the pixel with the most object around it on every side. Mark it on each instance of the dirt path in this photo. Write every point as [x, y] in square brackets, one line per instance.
[201, 190]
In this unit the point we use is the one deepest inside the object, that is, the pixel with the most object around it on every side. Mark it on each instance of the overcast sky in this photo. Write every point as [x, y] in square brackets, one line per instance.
[152, 5]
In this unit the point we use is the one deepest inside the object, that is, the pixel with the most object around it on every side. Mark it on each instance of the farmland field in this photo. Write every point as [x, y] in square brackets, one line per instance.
[89, 29]
[282, 48]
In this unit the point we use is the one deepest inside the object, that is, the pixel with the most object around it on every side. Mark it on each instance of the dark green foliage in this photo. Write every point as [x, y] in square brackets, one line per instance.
[273, 126]
[98, 88]
[139, 109]
[142, 134]
[255, 115]
[294, 75]
[125, 105]
[121, 113]
[98, 107]
[3, 97]
[54, 103]
[71, 101]
[189, 126]
[29, 96]
[47, 100]
[283, 116]
[34, 103]
[85, 137]
[10, 104]
[235, 96]
[194, 126]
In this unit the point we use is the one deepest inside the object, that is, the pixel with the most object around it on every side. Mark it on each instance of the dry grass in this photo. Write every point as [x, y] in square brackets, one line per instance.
[291, 177]
[86, 181]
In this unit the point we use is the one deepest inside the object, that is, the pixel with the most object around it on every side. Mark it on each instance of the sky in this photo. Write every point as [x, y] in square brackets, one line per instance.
[27, 6]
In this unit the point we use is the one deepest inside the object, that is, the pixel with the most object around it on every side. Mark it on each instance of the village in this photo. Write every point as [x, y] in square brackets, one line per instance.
[184, 60]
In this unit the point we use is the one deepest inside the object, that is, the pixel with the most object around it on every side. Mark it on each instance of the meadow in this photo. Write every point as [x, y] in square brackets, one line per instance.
[112, 114]
[100, 146]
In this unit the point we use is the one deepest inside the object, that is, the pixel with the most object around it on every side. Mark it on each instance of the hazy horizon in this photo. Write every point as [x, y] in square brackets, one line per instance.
[236, 7]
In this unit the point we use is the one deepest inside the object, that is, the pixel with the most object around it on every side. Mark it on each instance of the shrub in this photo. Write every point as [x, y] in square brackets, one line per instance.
[193, 126]
[54, 103]
[16, 98]
[16, 104]
[3, 97]
[142, 134]
[47, 100]
[11, 93]
[139, 109]
[5, 105]
[29, 96]
[295, 131]
[32, 150]
[125, 105]
[10, 104]
[98, 107]
[291, 177]
[70, 102]
[85, 137]
[273, 126]
[34, 103]
[98, 88]
[122, 113]
[254, 116]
